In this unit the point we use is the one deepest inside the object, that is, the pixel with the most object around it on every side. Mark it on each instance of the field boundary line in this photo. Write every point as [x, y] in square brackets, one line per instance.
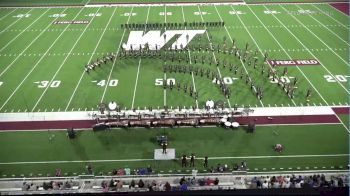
[189, 56]
[14, 22]
[59, 68]
[287, 53]
[92, 54]
[315, 36]
[211, 48]
[325, 27]
[18, 86]
[199, 158]
[13, 39]
[138, 67]
[115, 59]
[329, 15]
[312, 54]
[8, 14]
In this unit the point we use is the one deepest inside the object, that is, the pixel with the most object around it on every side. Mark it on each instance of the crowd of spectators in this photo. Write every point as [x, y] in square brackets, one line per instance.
[194, 183]
[182, 184]
[51, 185]
[312, 181]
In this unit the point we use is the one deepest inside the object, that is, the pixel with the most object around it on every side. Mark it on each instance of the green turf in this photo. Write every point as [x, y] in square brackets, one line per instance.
[23, 65]
[140, 144]
[79, 91]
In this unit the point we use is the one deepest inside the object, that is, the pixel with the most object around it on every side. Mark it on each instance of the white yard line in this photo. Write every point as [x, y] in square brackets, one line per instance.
[287, 53]
[115, 59]
[239, 18]
[13, 39]
[65, 59]
[189, 56]
[346, 62]
[92, 54]
[136, 81]
[346, 42]
[164, 80]
[14, 22]
[330, 16]
[199, 158]
[8, 14]
[138, 67]
[35, 64]
[345, 88]
[211, 47]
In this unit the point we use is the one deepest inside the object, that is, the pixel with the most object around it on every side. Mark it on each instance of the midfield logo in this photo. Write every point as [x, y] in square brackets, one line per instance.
[156, 40]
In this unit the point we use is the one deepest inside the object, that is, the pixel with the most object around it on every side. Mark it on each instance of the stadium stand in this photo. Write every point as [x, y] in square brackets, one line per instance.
[100, 184]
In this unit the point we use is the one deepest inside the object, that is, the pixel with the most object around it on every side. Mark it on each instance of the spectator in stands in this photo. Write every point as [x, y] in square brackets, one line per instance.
[340, 182]
[216, 181]
[119, 184]
[132, 184]
[141, 184]
[201, 182]
[182, 180]
[258, 184]
[167, 186]
[265, 185]
[25, 186]
[184, 187]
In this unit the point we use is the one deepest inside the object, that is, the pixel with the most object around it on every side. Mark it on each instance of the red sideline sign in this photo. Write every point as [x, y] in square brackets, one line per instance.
[293, 62]
[72, 22]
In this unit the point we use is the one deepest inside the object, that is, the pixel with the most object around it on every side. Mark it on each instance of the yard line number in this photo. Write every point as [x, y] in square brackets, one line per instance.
[45, 83]
[160, 81]
[227, 80]
[94, 14]
[22, 16]
[103, 83]
[340, 78]
[284, 79]
[57, 15]
[167, 13]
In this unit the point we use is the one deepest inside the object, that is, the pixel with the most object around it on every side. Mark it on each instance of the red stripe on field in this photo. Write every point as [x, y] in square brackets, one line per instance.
[343, 7]
[342, 110]
[34, 125]
[300, 119]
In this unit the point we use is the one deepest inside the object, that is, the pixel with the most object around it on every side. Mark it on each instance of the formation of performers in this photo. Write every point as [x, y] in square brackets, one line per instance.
[177, 60]
[174, 25]
[92, 65]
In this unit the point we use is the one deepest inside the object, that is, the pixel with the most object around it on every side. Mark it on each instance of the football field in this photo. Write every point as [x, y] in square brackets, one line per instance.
[42, 64]
[44, 51]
